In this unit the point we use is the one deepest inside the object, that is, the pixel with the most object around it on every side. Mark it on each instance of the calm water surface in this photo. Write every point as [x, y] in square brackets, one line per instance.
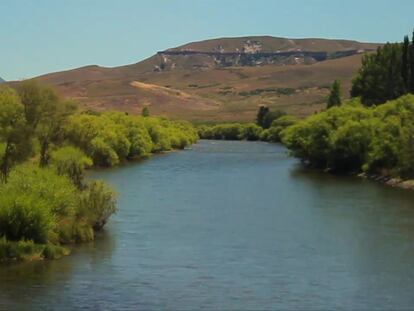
[233, 225]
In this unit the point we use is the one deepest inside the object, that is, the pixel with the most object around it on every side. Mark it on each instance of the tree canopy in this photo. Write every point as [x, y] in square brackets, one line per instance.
[386, 74]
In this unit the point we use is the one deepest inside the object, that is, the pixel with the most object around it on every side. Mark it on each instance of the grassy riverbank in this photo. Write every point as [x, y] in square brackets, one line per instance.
[45, 147]
[353, 138]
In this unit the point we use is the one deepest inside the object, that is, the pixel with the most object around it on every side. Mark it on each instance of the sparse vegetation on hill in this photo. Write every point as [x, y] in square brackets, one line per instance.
[199, 89]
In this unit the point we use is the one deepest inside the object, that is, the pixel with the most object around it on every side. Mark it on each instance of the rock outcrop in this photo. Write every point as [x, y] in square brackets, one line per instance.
[255, 52]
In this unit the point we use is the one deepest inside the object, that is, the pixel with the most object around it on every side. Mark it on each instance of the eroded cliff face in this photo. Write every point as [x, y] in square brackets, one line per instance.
[250, 53]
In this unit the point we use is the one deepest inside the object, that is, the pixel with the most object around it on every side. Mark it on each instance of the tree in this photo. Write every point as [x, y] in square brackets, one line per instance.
[270, 117]
[14, 141]
[405, 70]
[145, 112]
[33, 97]
[71, 161]
[334, 98]
[411, 66]
[45, 113]
[380, 77]
[261, 115]
[50, 127]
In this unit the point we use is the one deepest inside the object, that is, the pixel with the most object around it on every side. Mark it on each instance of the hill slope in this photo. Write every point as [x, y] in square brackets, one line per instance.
[1, 80]
[220, 79]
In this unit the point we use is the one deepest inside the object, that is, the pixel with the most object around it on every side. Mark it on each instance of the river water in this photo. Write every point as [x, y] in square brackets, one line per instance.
[232, 225]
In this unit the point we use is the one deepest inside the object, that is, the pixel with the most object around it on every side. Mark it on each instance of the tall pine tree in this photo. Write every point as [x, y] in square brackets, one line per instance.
[411, 66]
[261, 115]
[334, 98]
[405, 69]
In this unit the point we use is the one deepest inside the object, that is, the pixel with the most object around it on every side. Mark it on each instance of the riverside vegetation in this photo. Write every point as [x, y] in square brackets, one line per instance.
[372, 133]
[45, 147]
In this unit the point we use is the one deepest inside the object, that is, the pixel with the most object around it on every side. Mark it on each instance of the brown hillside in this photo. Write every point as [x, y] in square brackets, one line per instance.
[221, 79]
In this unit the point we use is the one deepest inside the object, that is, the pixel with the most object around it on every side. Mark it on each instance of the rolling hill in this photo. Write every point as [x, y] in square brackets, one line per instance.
[219, 80]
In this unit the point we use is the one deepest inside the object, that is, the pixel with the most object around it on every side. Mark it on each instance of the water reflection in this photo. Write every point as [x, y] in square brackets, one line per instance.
[42, 284]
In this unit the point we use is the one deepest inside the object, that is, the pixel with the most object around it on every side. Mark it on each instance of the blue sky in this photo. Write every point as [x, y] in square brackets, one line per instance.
[41, 36]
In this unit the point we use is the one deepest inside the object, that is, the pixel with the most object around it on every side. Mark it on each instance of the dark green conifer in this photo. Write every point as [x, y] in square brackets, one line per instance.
[334, 98]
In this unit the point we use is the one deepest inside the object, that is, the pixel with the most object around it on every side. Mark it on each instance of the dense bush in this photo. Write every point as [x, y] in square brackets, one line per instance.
[272, 134]
[71, 161]
[39, 205]
[111, 138]
[249, 131]
[32, 203]
[352, 138]
[97, 204]
[230, 131]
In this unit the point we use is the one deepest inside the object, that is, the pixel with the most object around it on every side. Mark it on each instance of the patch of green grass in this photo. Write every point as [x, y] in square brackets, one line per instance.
[28, 250]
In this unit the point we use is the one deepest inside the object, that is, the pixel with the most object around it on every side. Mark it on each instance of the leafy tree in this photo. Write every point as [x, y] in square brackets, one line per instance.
[386, 74]
[270, 117]
[334, 98]
[380, 77]
[14, 142]
[265, 117]
[45, 113]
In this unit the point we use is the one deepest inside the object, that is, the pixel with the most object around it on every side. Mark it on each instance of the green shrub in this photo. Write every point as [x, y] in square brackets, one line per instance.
[111, 138]
[32, 202]
[97, 204]
[251, 132]
[71, 161]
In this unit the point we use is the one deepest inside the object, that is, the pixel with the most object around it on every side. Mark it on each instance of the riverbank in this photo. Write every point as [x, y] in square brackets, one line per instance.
[407, 184]
[45, 202]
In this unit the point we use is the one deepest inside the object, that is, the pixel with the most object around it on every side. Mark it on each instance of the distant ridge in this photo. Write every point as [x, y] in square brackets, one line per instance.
[2, 80]
[223, 79]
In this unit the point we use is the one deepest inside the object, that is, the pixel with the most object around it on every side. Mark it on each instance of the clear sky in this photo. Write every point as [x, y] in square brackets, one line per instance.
[41, 36]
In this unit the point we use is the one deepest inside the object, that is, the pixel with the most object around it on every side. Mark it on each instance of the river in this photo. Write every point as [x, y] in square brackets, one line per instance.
[232, 225]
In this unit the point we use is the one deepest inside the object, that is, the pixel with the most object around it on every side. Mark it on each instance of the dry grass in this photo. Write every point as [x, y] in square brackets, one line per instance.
[213, 94]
